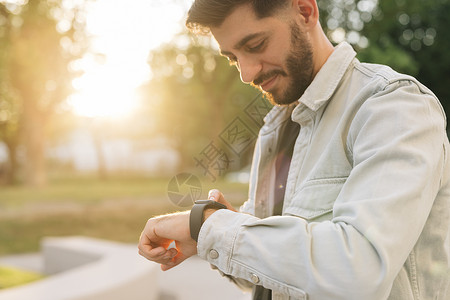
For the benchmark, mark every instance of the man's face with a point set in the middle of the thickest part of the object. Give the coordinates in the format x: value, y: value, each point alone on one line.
x: 272, y: 53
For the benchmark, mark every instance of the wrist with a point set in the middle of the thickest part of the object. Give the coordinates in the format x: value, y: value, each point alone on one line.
x: 208, y: 212
x: 199, y: 213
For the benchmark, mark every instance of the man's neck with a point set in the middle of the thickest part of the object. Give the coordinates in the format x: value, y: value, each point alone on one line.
x: 322, y: 48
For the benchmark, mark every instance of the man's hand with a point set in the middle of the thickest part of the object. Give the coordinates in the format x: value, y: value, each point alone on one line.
x: 217, y: 196
x: 160, y: 232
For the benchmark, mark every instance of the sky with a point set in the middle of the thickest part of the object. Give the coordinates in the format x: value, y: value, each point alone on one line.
x: 124, y: 31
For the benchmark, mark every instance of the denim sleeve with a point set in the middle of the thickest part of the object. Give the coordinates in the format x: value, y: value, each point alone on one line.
x: 397, y: 145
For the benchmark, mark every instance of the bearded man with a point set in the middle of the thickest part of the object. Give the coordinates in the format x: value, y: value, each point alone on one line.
x: 350, y: 182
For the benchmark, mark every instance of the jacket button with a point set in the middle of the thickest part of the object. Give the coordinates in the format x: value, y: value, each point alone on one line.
x: 254, y: 278
x: 213, y: 254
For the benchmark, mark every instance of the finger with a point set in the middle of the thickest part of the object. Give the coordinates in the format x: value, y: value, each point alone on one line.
x: 145, y: 243
x: 146, y: 246
x: 144, y: 249
x: 160, y: 256
x: 172, y: 252
x: 216, y: 195
x: 168, y: 258
x: 156, y: 254
x: 178, y: 259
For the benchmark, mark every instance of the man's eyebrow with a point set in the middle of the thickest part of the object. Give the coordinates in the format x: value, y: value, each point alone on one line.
x: 242, y: 42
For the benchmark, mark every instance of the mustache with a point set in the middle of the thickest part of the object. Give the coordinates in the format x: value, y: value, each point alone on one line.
x: 263, y: 77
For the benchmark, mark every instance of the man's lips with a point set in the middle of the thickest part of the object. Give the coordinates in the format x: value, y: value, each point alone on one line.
x: 267, y: 84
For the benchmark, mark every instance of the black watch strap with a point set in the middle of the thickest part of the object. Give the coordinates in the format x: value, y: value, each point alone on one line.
x: 196, y: 215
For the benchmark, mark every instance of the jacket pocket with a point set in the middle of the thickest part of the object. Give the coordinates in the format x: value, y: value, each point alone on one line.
x: 314, y: 199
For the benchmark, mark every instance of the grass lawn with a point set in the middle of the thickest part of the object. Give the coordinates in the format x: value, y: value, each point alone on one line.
x: 114, y: 209
x: 10, y: 277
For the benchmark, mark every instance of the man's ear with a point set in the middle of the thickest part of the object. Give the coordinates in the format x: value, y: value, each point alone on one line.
x: 308, y: 11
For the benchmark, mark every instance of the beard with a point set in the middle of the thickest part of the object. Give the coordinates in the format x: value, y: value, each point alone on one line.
x: 299, y: 70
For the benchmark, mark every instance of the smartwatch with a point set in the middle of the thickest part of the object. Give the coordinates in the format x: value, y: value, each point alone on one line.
x: 196, y: 215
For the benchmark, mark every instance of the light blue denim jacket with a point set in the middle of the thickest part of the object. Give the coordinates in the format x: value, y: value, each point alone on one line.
x: 366, y: 209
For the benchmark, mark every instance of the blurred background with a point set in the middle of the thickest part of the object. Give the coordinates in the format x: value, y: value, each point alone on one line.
x: 104, y: 104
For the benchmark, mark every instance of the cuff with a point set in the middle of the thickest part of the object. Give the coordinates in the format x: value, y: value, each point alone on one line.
x: 217, y: 237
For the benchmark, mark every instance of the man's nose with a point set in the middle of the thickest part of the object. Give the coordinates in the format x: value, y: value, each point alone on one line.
x: 249, y: 68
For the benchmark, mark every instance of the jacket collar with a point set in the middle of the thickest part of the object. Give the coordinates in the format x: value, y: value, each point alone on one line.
x: 276, y: 116
x: 319, y: 91
x: 328, y: 78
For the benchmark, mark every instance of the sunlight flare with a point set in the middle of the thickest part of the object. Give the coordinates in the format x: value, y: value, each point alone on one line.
x: 122, y: 34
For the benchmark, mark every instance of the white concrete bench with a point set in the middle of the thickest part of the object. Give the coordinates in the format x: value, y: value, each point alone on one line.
x: 84, y: 268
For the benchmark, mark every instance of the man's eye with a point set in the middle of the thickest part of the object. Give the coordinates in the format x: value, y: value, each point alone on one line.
x: 257, y: 46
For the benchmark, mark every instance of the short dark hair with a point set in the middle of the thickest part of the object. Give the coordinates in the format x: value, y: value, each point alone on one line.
x: 205, y: 14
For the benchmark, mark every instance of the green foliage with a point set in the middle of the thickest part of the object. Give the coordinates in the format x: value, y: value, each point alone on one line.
x: 391, y: 55
x: 419, y: 29
x: 411, y: 36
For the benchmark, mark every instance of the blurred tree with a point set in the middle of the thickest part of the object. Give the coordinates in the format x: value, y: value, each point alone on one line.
x: 9, y: 130
x: 193, y: 94
x: 410, y: 36
x: 9, y: 106
x: 44, y: 37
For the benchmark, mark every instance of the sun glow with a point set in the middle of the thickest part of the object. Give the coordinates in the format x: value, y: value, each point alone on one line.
x: 105, y: 97
x: 122, y: 34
